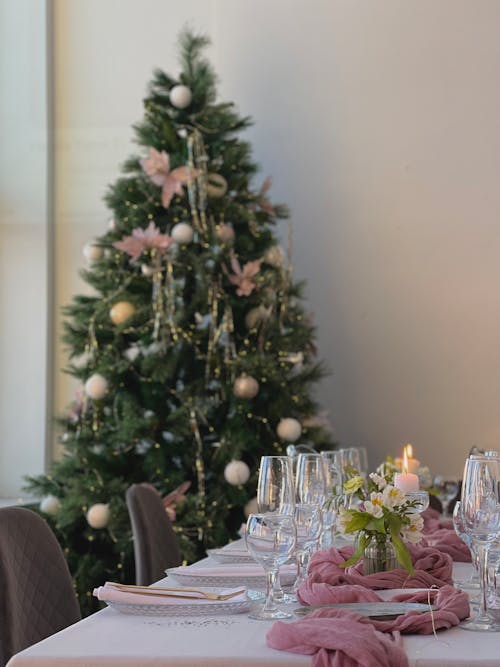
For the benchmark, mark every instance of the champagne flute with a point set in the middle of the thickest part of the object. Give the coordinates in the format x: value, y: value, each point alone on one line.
x: 334, y: 495
x: 270, y: 540
x: 458, y: 525
x: 275, y: 492
x: 480, y: 507
x: 310, y: 484
x: 308, y: 525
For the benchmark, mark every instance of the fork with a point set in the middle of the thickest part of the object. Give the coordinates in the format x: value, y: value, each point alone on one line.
x: 174, y: 592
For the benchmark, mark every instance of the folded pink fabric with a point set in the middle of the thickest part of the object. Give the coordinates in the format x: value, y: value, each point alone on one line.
x: 452, y: 606
x: 433, y: 521
x: 340, y: 640
x: 109, y: 593
x: 448, y: 542
x: 431, y: 568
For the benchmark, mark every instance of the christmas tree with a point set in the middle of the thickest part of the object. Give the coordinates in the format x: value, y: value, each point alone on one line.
x: 194, y: 353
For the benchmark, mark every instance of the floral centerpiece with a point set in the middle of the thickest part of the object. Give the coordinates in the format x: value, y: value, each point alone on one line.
x: 383, y: 519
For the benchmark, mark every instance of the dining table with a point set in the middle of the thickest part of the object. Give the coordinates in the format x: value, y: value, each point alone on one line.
x: 110, y: 638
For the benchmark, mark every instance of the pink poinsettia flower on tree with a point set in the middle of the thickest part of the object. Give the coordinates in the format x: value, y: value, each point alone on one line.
x: 157, y: 167
x: 243, y: 278
x: 144, y: 239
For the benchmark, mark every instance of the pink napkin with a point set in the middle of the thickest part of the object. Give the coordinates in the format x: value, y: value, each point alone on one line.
x: 448, y: 542
x: 432, y: 568
x: 433, y: 521
x: 109, y: 593
x: 341, y: 640
x: 452, y: 606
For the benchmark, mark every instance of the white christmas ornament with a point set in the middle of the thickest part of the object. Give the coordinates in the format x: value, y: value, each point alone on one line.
x: 92, y: 252
x: 182, y: 233
x: 225, y: 233
x: 121, y: 312
x: 216, y: 185
x: 147, y: 270
x: 275, y: 255
x: 251, y: 507
x: 50, y: 505
x: 289, y: 429
x: 96, y: 387
x: 180, y: 96
x: 245, y: 386
x: 236, y: 472
x: 98, y: 515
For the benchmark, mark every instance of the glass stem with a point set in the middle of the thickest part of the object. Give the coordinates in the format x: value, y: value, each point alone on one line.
x: 271, y: 576
x: 482, y: 553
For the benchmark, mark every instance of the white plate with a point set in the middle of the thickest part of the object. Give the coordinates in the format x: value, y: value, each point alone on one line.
x: 185, y: 609
x: 228, y: 576
x: 230, y: 556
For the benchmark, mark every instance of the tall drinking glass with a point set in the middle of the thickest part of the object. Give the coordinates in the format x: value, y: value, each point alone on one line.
x: 310, y: 484
x: 334, y: 495
x: 276, y: 493
x: 308, y: 526
x: 275, y: 489
x: 480, y: 506
x: 270, y: 540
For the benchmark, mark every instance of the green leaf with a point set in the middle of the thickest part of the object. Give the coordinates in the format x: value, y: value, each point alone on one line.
x: 363, y: 541
x: 359, y: 521
x: 402, y: 553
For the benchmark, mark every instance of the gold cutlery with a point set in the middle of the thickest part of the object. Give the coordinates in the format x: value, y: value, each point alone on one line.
x: 174, y: 592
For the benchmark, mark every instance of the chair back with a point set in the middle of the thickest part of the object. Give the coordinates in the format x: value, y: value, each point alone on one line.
x: 37, y: 597
x: 155, y: 544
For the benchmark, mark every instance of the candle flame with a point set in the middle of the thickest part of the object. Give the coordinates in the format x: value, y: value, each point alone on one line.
x: 409, y: 450
x: 405, y: 461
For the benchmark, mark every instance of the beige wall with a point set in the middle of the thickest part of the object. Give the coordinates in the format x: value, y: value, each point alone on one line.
x: 379, y: 124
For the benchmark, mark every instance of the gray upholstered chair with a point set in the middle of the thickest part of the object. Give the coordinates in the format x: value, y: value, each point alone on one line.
x: 155, y: 543
x: 37, y: 597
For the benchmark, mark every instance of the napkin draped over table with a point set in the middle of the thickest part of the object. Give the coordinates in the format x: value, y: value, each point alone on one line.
x: 431, y: 568
x: 341, y: 638
x: 439, y: 533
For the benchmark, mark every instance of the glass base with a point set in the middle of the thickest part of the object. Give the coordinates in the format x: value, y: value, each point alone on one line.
x: 261, y: 615
x: 481, y: 625
x: 256, y: 595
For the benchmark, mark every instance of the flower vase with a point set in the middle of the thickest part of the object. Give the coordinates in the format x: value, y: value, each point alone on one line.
x: 379, y: 556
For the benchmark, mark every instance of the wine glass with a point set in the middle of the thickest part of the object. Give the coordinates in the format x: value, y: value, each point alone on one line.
x: 351, y: 458
x: 334, y: 495
x: 270, y: 539
x: 458, y: 525
x: 308, y: 525
x: 446, y: 489
x: 480, y: 509
x: 276, y: 493
x: 310, y: 479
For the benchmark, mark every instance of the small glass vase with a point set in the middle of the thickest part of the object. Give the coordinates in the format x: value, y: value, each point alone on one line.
x: 379, y: 556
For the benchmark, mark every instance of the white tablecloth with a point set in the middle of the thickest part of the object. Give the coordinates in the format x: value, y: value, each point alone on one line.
x: 111, y: 639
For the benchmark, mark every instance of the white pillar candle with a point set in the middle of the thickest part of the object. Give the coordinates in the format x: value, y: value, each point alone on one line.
x: 406, y: 482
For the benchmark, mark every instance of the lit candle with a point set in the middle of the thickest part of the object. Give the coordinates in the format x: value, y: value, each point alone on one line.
x: 413, y: 464
x: 406, y: 481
